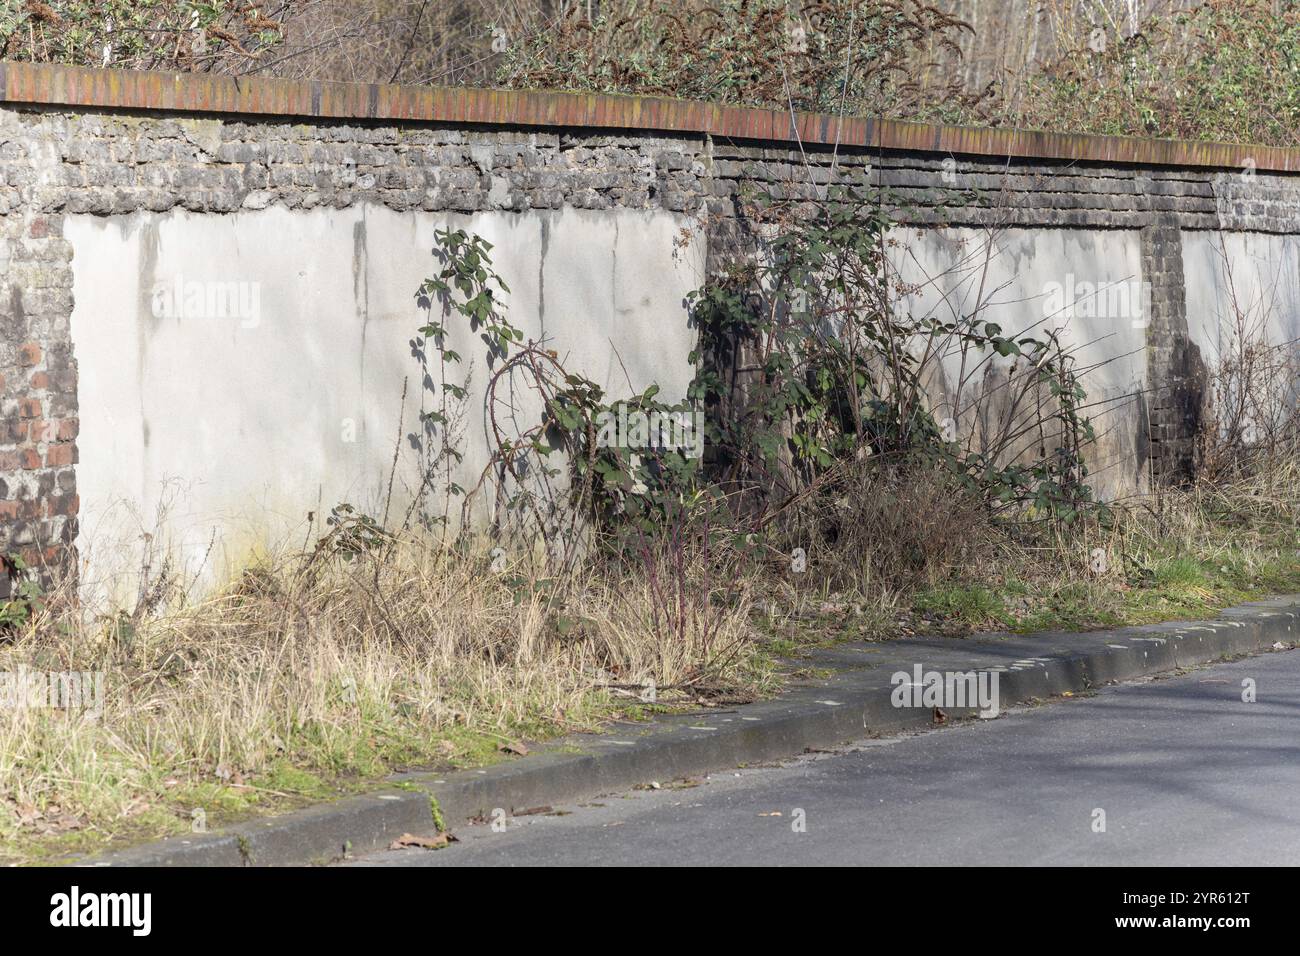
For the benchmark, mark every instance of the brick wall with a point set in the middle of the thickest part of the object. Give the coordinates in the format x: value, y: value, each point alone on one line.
x: 1162, y: 203
x: 110, y: 160
x: 38, y: 389
x: 54, y: 164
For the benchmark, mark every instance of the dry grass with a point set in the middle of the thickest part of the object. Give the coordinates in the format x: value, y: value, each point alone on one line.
x: 879, y: 530
x: 311, y: 671
x: 324, y: 671
x: 1183, y: 553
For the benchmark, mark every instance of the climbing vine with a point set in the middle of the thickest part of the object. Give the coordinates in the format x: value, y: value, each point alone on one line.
x: 547, y: 475
x: 808, y: 362
x: 809, y: 358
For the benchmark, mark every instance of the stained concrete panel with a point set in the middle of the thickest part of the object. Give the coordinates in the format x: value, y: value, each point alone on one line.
x: 1084, y: 285
x: 1240, y: 287
x: 217, y: 434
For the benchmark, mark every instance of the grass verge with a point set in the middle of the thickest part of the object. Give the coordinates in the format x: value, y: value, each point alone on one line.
x: 318, y: 674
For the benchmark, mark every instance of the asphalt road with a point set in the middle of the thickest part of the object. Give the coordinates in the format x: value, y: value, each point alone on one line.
x: 1185, y: 771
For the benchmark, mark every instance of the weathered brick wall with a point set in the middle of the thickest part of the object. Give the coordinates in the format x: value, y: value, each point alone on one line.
x: 118, y: 165
x: 928, y: 188
x: 968, y: 191
x: 54, y: 164
x: 58, y: 161
x: 38, y: 388
x: 1176, y: 372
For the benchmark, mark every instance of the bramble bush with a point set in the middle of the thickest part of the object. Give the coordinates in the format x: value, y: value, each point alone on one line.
x: 1225, y: 70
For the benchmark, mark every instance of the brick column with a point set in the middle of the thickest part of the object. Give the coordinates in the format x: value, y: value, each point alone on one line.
x: 1175, y: 371
x: 38, y: 395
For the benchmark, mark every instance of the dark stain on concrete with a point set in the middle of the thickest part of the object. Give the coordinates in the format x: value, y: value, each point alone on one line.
x: 541, y: 276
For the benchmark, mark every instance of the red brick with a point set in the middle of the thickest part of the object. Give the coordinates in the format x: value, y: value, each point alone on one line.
x: 46, y: 431
x: 40, y: 228
x: 29, y: 354
x: 59, y: 455
x: 30, y: 408
x: 63, y: 505
x: 29, y: 460
x: 39, y: 381
x: 69, y: 428
x: 40, y: 557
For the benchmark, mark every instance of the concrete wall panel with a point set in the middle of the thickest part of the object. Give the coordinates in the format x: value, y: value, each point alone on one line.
x: 234, y: 427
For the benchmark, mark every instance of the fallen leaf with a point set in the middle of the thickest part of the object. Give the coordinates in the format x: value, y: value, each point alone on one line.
x: 423, y: 843
x: 510, y: 747
x: 531, y: 811
x: 940, y: 717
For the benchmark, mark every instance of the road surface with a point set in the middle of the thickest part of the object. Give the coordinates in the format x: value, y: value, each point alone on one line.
x: 1184, y: 771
